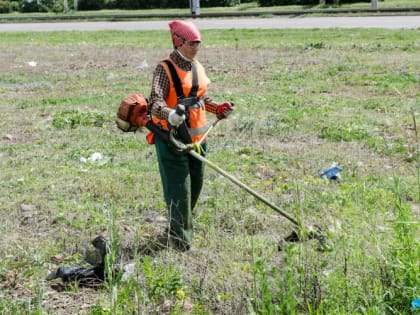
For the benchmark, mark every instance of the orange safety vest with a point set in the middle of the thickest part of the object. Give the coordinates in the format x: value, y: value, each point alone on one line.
x: 197, y: 114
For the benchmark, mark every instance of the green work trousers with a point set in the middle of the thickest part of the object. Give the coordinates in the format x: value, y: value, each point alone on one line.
x: 182, y: 179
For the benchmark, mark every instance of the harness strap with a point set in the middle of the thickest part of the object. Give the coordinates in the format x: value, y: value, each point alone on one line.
x: 182, y: 131
x: 177, y: 81
x: 191, y: 101
x: 175, y: 78
x: 194, y: 88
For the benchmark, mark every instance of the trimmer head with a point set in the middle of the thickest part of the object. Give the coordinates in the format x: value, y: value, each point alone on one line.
x: 324, y: 243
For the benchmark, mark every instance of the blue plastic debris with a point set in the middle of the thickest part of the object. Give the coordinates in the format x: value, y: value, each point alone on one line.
x: 416, y: 304
x: 334, y: 173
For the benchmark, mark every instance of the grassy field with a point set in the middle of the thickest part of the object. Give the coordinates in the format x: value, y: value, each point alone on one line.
x: 304, y: 100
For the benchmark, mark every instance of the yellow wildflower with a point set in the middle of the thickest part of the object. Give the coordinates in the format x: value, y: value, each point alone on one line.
x: 180, y: 294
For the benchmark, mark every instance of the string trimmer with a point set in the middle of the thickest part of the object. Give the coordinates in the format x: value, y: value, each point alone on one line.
x: 301, y: 233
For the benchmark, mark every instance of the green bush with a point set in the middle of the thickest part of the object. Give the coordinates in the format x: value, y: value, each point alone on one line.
x: 87, y: 5
x: 29, y: 6
x: 110, y: 4
x: 40, y: 6
x: 219, y: 3
x: 268, y: 3
x: 57, y: 6
x: 46, y: 5
x: 8, y: 6
x: 4, y: 7
x: 133, y: 4
x: 145, y: 4
x: 171, y: 4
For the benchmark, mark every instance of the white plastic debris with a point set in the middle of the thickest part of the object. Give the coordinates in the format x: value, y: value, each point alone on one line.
x: 32, y: 63
x: 143, y: 65
x: 129, y: 271
x: 95, y: 158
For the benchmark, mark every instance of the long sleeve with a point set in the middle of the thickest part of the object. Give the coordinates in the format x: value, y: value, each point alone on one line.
x: 160, y: 88
x: 210, y: 105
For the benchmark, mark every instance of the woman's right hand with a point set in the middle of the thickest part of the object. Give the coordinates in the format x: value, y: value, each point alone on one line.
x: 175, y: 119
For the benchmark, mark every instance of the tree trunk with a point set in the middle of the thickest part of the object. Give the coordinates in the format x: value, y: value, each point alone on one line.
x: 66, y: 6
x: 374, y: 4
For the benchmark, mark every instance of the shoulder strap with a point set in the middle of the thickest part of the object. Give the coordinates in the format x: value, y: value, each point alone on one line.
x: 175, y: 78
x: 194, y: 87
x: 177, y: 81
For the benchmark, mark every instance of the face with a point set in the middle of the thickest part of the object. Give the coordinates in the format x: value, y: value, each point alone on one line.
x: 189, y: 49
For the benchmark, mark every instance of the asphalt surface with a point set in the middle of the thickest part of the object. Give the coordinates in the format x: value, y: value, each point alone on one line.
x: 300, y: 22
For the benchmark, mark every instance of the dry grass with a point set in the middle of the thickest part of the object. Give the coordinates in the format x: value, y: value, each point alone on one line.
x: 303, y: 100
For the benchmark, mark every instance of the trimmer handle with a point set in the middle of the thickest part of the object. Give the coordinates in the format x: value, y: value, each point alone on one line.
x: 180, y: 109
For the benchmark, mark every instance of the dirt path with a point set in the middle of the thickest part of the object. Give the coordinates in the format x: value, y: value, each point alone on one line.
x: 388, y: 22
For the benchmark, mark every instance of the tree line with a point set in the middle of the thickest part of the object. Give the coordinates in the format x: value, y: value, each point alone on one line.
x: 57, y: 6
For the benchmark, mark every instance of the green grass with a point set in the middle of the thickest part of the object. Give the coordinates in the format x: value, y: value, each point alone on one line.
x: 304, y: 99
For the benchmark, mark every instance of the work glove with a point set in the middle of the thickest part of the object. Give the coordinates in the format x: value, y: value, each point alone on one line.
x: 224, y: 109
x: 175, y: 119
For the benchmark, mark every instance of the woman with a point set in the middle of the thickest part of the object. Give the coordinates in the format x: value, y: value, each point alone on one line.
x: 182, y: 175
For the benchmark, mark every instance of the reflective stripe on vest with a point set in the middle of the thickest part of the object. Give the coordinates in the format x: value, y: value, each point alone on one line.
x: 197, y: 114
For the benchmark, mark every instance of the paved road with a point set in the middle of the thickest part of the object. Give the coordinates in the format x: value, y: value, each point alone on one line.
x: 389, y: 22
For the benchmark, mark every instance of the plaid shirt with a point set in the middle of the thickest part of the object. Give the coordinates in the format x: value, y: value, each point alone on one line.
x: 160, y: 88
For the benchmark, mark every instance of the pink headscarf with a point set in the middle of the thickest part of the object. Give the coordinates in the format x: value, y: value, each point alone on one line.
x: 183, y: 30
